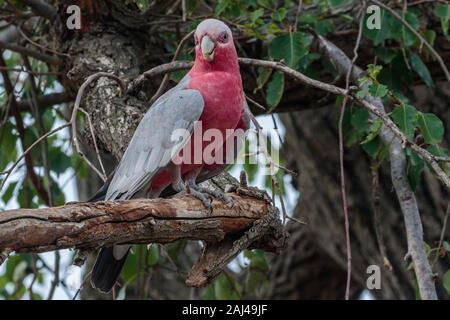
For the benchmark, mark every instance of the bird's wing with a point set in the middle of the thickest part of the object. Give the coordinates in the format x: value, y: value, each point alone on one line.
x: 151, y: 147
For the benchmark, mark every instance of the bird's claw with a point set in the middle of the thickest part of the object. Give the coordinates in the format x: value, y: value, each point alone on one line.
x: 204, y: 198
x: 218, y: 194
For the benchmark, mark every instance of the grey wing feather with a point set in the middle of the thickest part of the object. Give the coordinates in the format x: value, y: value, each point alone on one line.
x: 151, y: 147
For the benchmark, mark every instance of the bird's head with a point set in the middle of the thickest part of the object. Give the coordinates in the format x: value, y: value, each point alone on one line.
x: 214, y: 43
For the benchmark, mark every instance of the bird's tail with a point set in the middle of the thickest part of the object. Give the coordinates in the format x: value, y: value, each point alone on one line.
x: 107, y: 269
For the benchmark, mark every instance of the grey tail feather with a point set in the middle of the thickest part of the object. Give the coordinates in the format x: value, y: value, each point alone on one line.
x: 106, y: 270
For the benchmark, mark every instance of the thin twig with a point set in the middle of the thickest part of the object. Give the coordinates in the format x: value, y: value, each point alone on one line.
x: 14, y: 165
x: 39, y: 45
x: 165, y: 80
x: 55, y: 281
x: 377, y: 218
x: 73, y: 119
x: 91, y: 129
x: 297, y: 15
x: 444, y: 227
x: 255, y: 103
x: 35, y: 275
x: 341, y: 158
x: 31, y: 53
x: 35, y: 179
x: 40, y: 128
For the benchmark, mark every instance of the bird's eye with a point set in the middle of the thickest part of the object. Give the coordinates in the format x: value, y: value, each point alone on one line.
x: 223, y: 37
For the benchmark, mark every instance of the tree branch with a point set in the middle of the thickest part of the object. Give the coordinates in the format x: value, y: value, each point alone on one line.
x: 45, y: 101
x: 41, y: 8
x: 92, y: 225
x: 31, y: 53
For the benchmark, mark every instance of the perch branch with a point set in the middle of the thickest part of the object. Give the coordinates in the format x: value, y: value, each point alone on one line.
x: 252, y: 222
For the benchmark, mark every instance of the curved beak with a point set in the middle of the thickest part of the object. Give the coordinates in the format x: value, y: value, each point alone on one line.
x: 207, y: 46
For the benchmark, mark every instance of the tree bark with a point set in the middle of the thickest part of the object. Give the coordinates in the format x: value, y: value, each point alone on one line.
x: 92, y: 225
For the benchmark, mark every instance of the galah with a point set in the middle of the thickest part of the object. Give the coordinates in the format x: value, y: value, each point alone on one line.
x: 210, y: 93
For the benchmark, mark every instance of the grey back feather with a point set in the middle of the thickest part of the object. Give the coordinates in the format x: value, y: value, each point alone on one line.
x: 151, y: 147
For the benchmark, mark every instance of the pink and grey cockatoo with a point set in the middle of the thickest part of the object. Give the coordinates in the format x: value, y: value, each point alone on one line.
x: 211, y: 93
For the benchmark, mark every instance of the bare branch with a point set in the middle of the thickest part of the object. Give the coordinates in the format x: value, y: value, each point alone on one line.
x: 45, y: 101
x: 341, y: 156
x: 41, y: 8
x: 31, y: 53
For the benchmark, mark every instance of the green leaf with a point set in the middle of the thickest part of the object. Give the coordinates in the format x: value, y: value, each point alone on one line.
x: 255, y: 15
x: 337, y: 3
x: 379, y: 35
x: 430, y: 36
x: 226, y: 288
x: 385, y: 54
x: 375, y: 148
x: 275, y: 90
x: 442, y: 11
x: 361, y: 94
x: 415, y: 167
x: 360, y: 120
x: 208, y: 293
x: 446, y: 281
x: 373, y: 131
x: 405, y: 117
x: 378, y: 90
x: 59, y: 161
x: 263, y: 77
x: 174, y: 248
x: 128, y: 273
x: 446, y: 246
x: 279, y: 15
x: 9, y: 192
x: 396, y: 75
x: 402, y: 32
x: 421, y: 69
x: 8, y: 141
x: 153, y: 255
x: 48, y: 118
x: 431, y: 127
x: 290, y: 47
x: 258, y: 270
x: 374, y: 70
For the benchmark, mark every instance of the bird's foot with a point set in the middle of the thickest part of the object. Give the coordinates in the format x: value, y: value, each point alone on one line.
x: 218, y: 194
x: 203, y: 197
